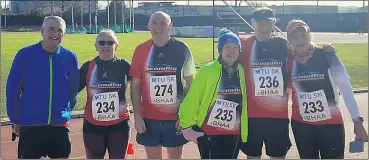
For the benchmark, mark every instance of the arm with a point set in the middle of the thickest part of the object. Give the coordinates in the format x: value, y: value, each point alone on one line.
x: 127, y: 69
x: 14, y: 88
x: 289, y: 69
x: 342, y: 80
x: 189, y: 68
x: 191, y: 103
x: 74, y: 81
x: 83, y: 74
x: 136, y: 96
x: 135, y: 74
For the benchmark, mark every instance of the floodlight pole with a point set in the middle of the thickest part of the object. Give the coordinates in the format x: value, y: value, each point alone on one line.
x: 108, y: 14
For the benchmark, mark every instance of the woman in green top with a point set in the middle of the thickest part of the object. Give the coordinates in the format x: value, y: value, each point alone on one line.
x: 214, y: 111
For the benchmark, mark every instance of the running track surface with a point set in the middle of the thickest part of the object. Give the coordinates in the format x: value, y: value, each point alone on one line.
x: 9, y: 148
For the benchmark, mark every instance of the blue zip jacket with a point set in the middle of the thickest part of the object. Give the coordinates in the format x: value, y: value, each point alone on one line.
x: 42, y: 87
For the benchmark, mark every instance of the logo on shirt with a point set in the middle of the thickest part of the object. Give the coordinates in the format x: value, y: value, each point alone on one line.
x: 162, y: 68
x: 161, y: 55
x: 106, y: 84
x: 266, y: 63
x: 304, y: 76
x: 230, y: 90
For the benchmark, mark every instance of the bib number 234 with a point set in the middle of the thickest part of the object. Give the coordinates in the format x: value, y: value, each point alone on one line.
x: 105, y: 106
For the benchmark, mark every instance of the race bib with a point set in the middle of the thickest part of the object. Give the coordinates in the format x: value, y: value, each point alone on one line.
x: 223, y: 114
x: 268, y: 81
x: 314, y: 106
x: 163, y: 89
x: 105, y: 106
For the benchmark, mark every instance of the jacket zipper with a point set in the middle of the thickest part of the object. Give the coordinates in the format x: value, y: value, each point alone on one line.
x: 216, y: 91
x: 50, y: 88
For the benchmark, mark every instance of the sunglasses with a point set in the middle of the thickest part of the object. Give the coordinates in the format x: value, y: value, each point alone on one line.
x: 101, y: 43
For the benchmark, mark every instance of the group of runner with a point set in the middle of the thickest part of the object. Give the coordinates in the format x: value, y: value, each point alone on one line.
x: 237, y: 102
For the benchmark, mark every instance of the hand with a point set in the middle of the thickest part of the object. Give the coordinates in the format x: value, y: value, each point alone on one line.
x: 329, y: 48
x: 16, y: 129
x: 139, y: 124
x: 178, y: 127
x: 191, y: 135
x: 360, y: 132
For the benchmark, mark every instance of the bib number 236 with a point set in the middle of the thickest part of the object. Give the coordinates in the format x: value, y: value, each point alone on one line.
x: 163, y: 89
x: 268, y: 81
x: 105, y: 106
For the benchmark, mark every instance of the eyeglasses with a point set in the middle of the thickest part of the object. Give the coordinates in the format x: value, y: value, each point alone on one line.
x: 101, y: 43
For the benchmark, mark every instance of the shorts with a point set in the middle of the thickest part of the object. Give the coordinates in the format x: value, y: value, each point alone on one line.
x: 115, y: 141
x: 160, y: 132
x: 92, y: 128
x: 38, y: 141
x: 328, y: 140
x: 98, y: 139
x: 218, y: 146
x: 274, y: 133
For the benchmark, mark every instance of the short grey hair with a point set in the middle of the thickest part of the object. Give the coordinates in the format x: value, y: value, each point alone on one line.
x: 57, y: 19
x: 166, y: 15
x: 108, y: 32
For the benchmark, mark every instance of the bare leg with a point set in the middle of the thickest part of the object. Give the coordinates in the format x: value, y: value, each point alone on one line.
x: 175, y: 152
x: 154, y: 152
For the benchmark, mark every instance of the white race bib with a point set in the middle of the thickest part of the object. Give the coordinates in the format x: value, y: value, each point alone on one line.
x: 268, y: 81
x: 163, y: 89
x: 314, y: 106
x: 223, y: 114
x: 105, y: 106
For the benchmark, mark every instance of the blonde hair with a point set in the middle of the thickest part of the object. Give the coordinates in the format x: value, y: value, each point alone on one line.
x: 296, y: 20
x: 309, y: 33
x: 57, y: 19
x: 108, y: 32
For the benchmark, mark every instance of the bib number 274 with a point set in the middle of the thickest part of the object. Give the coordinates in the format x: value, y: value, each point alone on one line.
x: 163, y: 89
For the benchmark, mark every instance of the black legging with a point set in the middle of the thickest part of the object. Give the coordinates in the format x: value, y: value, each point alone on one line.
x: 218, y: 146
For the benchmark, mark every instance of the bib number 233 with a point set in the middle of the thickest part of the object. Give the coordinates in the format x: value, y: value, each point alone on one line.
x: 105, y: 106
x: 163, y: 89
x: 314, y: 106
x: 268, y: 81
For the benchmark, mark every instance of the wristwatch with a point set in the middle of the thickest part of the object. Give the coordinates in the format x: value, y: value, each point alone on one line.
x: 361, y: 119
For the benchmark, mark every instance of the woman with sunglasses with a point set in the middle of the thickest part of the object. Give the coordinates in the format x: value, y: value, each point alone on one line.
x: 316, y: 76
x: 106, y: 116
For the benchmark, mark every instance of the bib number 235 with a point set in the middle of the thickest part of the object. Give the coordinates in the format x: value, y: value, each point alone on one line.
x: 223, y: 114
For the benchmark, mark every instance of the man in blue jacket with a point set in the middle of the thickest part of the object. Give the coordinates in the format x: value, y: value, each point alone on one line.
x: 41, y: 93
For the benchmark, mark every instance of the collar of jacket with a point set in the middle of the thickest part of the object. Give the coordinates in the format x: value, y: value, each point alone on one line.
x: 224, y: 65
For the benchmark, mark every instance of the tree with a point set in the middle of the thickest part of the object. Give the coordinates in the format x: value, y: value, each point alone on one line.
x: 118, y: 6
